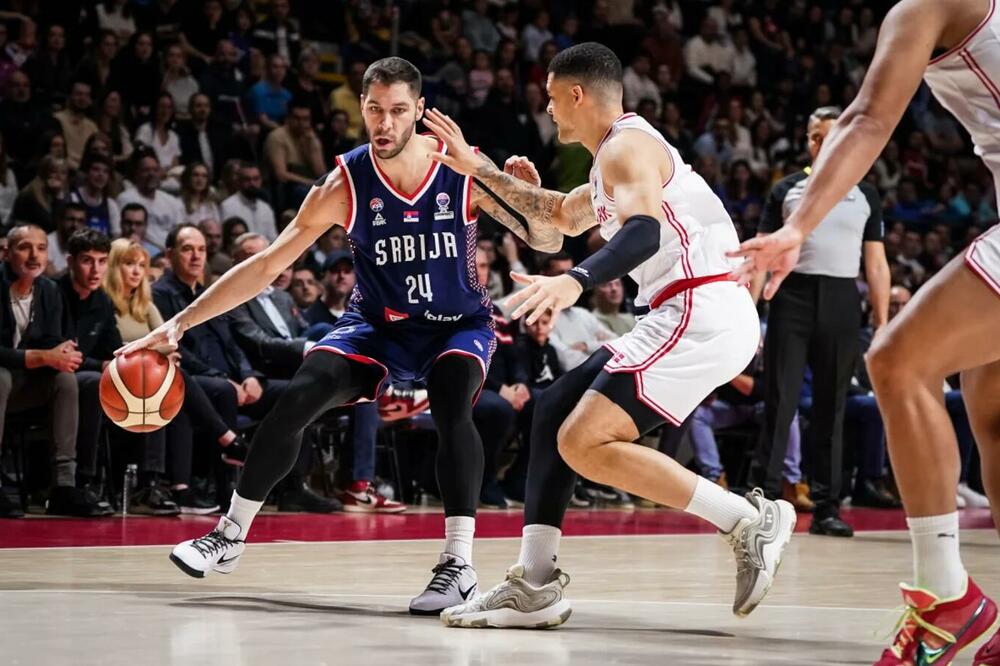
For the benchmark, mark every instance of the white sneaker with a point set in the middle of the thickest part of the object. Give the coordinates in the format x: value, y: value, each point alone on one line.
x: 219, y: 550
x: 959, y: 501
x: 972, y: 498
x: 758, y: 545
x: 515, y: 603
x: 453, y: 582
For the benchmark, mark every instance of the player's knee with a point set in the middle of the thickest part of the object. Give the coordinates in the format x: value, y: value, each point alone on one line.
x: 577, y: 440
x: 886, y: 366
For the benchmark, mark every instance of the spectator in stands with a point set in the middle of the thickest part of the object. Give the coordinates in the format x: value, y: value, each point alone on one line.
x: 159, y: 135
x: 116, y: 16
x: 608, y: 306
x: 278, y: 34
x: 109, y: 121
x: 133, y: 222
x: 177, y: 79
x: 50, y: 68
x: 8, y: 183
x: 306, y: 88
x: 70, y: 218
x: 305, y: 289
x: 201, y: 32
x: 335, y: 134
x: 338, y: 284
x: 347, y: 98
x: 707, y: 55
x: 218, y: 261
x: 38, y: 202
x: 576, y: 333
x: 507, y: 127
x: 94, y: 195
x: 135, y: 73
x: 716, y: 143
x: 196, y: 195
x: 294, y: 156
x: 478, y: 27
x: 201, y: 138
x: 268, y: 98
x: 232, y: 228
x: 248, y: 204
x: 22, y: 122
x: 95, y: 68
x: 34, y: 342
x: 223, y: 83
x: 638, y: 85
x: 164, y: 211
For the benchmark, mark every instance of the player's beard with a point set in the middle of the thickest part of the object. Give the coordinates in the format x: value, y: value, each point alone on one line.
x: 392, y: 152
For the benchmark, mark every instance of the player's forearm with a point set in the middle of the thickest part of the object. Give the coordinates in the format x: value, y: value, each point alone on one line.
x: 848, y: 153
x: 542, y: 209
x: 538, y: 237
x: 879, y: 284
x: 236, y: 286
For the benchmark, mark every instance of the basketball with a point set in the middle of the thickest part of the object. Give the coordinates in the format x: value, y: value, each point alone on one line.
x: 141, y: 392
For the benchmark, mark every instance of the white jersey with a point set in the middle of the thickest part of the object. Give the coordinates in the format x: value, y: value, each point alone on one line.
x: 966, y: 81
x: 698, y: 233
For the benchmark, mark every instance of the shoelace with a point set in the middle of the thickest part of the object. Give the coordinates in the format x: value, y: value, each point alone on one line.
x: 906, y: 630
x: 739, y: 544
x: 444, y: 576
x: 211, y: 543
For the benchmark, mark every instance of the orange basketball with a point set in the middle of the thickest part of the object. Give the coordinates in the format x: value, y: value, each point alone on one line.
x: 142, y: 392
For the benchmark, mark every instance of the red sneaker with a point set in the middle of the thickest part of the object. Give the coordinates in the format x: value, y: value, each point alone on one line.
x: 362, y: 497
x: 989, y: 653
x: 934, y: 631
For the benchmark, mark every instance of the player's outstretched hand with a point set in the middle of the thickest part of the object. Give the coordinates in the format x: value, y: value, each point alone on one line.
x: 523, y: 169
x: 542, y: 294
x: 777, y: 253
x: 164, y: 340
x: 460, y: 156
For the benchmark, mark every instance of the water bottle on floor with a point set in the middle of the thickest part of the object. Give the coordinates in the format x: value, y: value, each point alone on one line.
x: 131, y: 478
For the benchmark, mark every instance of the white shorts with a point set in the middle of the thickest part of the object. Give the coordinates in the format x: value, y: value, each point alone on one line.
x: 689, y: 346
x: 983, y: 257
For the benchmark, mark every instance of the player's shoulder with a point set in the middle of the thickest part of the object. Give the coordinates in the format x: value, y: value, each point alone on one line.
x: 628, y: 148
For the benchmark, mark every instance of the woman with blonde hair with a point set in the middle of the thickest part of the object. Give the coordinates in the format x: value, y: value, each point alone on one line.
x: 127, y: 285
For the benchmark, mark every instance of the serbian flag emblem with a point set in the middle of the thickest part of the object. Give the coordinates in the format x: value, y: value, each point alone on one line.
x: 411, y: 216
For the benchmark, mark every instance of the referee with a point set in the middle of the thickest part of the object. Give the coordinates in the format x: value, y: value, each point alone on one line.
x: 815, y: 321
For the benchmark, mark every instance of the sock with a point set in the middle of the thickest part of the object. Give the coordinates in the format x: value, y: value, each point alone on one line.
x: 539, y: 552
x: 458, y: 531
x: 242, y: 512
x: 719, y: 506
x: 937, y: 565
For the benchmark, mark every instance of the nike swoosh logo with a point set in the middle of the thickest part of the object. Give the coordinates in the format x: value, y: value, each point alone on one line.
x: 465, y: 593
x: 367, y: 499
x: 227, y: 561
x: 927, y: 655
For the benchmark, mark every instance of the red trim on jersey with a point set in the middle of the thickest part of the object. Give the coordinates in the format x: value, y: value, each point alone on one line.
x: 608, y: 132
x: 640, y: 395
x: 482, y: 367
x: 968, y: 37
x: 684, y: 284
x: 358, y: 358
x: 977, y: 268
x: 685, y: 241
x: 971, y: 63
x: 469, y: 217
x: 408, y: 198
x: 350, y: 193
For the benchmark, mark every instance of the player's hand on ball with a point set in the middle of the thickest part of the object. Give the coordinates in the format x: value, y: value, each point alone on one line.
x: 523, y: 169
x: 542, y: 294
x: 460, y: 157
x: 164, y: 340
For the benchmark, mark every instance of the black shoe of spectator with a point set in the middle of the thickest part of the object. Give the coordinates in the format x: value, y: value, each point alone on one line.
x: 235, y: 453
x: 870, y: 493
x: 599, y: 492
x: 71, y: 501
x: 491, y: 495
x: 513, y: 488
x: 305, y: 500
x: 190, y: 502
x: 581, y: 498
x: 153, y: 501
x: 10, y: 505
x: 105, y: 508
x: 830, y: 525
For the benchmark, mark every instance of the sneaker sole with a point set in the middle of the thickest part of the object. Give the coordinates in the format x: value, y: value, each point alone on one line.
x: 508, y: 618
x: 992, y: 662
x: 198, y: 511
x: 789, y: 516
x: 194, y: 573
x: 353, y: 508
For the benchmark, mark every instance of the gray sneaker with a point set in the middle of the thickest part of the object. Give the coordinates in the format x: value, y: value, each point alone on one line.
x: 514, y: 603
x: 758, y: 545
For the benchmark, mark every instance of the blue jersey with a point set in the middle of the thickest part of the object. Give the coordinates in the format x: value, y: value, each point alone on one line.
x: 414, y: 254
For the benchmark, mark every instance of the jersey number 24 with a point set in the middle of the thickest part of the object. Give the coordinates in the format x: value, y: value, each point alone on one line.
x: 419, y: 286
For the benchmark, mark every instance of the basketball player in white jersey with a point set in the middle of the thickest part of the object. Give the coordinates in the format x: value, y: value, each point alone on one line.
x: 950, y: 325
x: 668, y: 231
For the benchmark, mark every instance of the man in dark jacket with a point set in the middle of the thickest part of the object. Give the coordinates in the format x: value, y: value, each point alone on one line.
x: 37, y: 362
x: 278, y: 33
x: 202, y: 138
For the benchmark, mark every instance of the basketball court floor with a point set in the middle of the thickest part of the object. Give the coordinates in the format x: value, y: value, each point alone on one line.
x: 648, y: 587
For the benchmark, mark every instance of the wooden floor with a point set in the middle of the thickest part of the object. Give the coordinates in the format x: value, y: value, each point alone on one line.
x: 661, y: 600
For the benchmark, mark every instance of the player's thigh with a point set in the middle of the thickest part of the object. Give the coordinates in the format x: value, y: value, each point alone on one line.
x: 598, y: 420
x: 950, y: 325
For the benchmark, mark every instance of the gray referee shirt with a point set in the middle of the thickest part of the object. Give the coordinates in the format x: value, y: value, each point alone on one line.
x: 834, y: 247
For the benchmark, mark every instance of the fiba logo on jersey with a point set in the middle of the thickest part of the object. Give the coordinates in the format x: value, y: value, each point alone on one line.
x: 443, y: 201
x: 377, y: 205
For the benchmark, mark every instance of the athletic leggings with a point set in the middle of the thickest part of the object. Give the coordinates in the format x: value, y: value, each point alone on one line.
x: 327, y: 380
x: 550, y: 480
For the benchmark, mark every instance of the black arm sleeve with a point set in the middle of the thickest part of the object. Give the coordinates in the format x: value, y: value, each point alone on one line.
x: 874, y: 227
x: 635, y: 242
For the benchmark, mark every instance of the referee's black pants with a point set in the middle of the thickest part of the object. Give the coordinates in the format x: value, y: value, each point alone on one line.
x: 814, y: 320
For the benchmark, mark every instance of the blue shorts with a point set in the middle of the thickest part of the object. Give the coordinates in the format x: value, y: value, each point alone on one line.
x: 406, y: 351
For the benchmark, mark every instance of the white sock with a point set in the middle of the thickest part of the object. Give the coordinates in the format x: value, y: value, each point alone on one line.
x: 242, y: 512
x: 937, y: 565
x: 719, y: 506
x: 458, y: 531
x: 539, y: 552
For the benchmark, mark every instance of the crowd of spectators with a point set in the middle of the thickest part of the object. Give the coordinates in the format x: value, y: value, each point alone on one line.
x: 148, y: 145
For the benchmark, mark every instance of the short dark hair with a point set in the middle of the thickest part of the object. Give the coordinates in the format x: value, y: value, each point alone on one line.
x: 66, y: 206
x: 392, y: 70
x: 561, y: 255
x: 171, y: 241
x: 87, y: 240
x: 825, y: 113
x: 589, y: 63
x: 129, y: 207
x: 92, y: 158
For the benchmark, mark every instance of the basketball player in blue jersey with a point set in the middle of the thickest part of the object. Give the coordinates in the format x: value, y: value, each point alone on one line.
x: 666, y: 229
x: 418, y: 314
